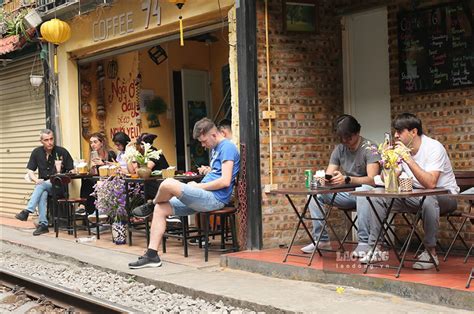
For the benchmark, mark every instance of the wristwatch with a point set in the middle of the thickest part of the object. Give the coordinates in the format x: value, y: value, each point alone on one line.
x: 347, y: 180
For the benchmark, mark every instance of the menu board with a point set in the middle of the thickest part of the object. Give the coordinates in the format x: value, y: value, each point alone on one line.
x: 436, y: 48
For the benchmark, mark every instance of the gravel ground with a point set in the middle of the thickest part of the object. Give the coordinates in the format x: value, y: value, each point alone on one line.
x: 105, y: 285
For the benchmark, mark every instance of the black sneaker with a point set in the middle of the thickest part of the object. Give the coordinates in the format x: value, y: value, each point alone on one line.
x: 23, y: 215
x: 40, y: 230
x: 144, y: 210
x: 145, y: 261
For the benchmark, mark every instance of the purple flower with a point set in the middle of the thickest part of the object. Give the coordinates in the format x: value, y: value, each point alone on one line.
x: 111, y: 198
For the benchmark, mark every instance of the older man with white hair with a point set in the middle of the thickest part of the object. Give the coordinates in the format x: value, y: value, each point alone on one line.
x: 43, y: 159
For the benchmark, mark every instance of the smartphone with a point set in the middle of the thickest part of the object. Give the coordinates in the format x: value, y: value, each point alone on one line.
x: 94, y: 155
x: 328, y: 176
x: 388, y: 138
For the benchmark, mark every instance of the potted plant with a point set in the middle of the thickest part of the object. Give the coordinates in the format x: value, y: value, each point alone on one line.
x: 32, y: 19
x: 15, y: 24
x: 15, y: 33
x: 134, y: 155
x: 111, y: 200
x: 154, y: 108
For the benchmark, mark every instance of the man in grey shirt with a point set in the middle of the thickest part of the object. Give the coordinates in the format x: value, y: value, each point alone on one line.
x: 350, y: 162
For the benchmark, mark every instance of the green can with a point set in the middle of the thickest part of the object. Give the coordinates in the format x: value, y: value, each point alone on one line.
x: 308, y: 174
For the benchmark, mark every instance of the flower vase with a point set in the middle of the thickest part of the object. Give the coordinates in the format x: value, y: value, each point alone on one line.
x: 144, y: 172
x: 390, y: 180
x: 119, y: 232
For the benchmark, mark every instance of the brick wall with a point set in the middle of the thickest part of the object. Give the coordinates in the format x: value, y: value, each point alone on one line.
x: 307, y: 94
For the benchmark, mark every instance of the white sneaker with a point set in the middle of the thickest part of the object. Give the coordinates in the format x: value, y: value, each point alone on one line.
x: 424, y: 261
x: 174, y: 219
x: 374, y: 256
x: 326, y: 245
x: 361, y: 250
x: 93, y: 218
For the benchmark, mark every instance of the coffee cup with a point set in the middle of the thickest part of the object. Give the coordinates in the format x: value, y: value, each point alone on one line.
x: 58, y: 164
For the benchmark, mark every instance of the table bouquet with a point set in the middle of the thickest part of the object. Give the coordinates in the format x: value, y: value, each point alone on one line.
x: 390, y: 159
x: 132, y: 154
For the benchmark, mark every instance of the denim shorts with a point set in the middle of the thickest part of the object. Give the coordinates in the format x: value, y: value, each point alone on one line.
x: 194, y: 200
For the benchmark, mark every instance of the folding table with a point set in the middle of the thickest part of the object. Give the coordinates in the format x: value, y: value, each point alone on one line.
x: 391, y: 196
x: 331, y: 189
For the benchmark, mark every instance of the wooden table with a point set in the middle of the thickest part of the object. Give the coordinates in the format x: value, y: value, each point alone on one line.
x: 381, y: 193
x: 302, y: 217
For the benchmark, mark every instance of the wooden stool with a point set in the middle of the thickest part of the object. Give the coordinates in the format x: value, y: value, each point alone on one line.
x: 66, y: 204
x: 223, y: 214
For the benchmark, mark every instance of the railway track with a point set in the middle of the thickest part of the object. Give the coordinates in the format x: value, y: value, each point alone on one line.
x: 22, y: 289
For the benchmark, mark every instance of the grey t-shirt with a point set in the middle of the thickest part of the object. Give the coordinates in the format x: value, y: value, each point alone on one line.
x: 354, y: 163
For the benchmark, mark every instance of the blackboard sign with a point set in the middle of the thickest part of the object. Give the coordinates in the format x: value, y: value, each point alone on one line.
x: 436, y: 48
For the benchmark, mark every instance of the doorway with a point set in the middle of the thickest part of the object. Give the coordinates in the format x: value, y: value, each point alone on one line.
x: 366, y: 71
x: 192, y: 95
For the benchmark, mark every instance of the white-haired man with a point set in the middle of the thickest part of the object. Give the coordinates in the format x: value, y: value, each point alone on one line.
x: 44, y: 159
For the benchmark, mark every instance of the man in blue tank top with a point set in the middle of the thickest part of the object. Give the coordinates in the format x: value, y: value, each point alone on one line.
x: 177, y: 198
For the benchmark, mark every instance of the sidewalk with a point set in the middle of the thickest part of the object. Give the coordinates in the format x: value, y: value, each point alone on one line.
x: 214, y: 283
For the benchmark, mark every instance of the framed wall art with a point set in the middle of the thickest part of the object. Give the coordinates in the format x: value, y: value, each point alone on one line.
x: 300, y: 16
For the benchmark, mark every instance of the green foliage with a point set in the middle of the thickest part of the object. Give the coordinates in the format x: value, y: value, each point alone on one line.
x: 156, y: 106
x: 14, y: 24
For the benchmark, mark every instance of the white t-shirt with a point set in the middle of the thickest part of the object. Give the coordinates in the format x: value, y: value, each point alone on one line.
x: 432, y: 156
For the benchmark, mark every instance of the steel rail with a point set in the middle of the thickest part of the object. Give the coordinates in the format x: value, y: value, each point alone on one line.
x: 60, y: 296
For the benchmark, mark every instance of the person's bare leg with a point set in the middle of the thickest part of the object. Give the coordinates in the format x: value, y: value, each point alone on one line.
x: 168, y: 188
x: 158, y: 224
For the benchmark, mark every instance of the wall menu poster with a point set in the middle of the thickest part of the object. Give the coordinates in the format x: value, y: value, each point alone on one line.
x: 436, y: 48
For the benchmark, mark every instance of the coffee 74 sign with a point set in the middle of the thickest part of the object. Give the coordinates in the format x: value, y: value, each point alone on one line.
x: 121, y: 24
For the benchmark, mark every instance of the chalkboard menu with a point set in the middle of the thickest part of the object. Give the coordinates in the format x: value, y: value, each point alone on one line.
x: 436, y: 48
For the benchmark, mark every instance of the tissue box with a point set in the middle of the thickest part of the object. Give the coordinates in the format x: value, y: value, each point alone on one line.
x: 405, y: 184
x: 82, y: 168
x: 168, y: 173
x: 319, y: 180
x: 112, y: 171
x: 103, y: 171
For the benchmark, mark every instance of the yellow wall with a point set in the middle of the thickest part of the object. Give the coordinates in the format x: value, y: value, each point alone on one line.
x: 158, y: 78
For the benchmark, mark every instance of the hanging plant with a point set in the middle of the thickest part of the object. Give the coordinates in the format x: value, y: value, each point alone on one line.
x: 154, y: 108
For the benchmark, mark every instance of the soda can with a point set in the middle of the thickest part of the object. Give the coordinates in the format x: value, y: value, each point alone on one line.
x: 308, y: 174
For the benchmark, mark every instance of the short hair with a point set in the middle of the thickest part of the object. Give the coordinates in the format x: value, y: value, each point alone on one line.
x: 224, y: 124
x: 202, y: 127
x: 146, y: 138
x: 407, y: 121
x: 45, y: 132
x: 346, y: 125
x: 122, y: 138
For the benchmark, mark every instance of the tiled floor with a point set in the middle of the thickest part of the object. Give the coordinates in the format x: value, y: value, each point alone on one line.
x: 453, y: 273
x: 174, y: 249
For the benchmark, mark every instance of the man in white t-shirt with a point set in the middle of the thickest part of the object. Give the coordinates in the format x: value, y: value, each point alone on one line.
x: 429, y: 166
